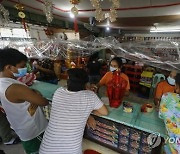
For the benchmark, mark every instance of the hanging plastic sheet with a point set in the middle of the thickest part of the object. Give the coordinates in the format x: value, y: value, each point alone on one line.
x: 161, y: 54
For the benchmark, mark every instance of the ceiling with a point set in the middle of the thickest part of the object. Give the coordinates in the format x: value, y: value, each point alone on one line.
x: 132, y: 14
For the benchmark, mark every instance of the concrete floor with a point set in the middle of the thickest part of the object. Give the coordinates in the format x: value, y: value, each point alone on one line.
x: 18, y: 149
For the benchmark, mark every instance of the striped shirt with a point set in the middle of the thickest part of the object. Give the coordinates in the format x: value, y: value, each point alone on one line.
x: 69, y: 114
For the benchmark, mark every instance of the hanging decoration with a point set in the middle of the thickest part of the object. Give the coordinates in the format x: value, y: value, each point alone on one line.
x: 75, y: 2
x: 74, y: 11
x: 48, y: 32
x: 5, y: 16
x: 113, y: 13
x: 100, y: 15
x: 48, y: 10
x: 21, y: 14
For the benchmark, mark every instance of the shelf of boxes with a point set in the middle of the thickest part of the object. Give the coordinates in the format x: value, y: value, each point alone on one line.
x: 119, y: 137
x: 134, y: 74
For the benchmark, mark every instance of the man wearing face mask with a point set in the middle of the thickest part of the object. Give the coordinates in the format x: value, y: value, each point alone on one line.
x: 169, y: 112
x: 21, y: 104
x: 164, y: 87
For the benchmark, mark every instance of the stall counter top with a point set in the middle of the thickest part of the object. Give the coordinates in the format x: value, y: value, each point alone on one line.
x: 46, y: 89
x: 148, y: 122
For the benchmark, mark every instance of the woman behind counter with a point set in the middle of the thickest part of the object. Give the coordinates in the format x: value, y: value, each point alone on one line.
x: 170, y: 113
x: 115, y: 65
x: 71, y: 108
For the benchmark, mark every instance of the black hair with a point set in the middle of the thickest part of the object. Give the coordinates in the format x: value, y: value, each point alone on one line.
x: 77, y: 79
x: 118, y: 60
x: 10, y: 56
x: 94, y: 56
x: 177, y: 79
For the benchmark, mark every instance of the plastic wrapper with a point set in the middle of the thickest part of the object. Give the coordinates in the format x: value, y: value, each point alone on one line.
x: 135, y: 144
x: 112, y: 128
x: 144, y: 138
x: 107, y: 132
x: 124, y: 132
x: 124, y: 140
x: 112, y: 139
x: 160, y: 54
x: 123, y: 147
x: 146, y: 149
x: 133, y: 151
x: 135, y: 135
x: 105, y: 141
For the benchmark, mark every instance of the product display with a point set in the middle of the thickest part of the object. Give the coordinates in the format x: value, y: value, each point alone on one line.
x: 123, y: 147
x: 127, y: 107
x: 125, y: 138
x: 112, y: 128
x: 124, y: 132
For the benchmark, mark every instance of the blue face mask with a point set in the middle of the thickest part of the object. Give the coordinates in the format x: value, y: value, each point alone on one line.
x: 21, y: 72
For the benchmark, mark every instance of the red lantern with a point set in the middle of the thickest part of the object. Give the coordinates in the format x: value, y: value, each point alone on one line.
x: 116, y: 89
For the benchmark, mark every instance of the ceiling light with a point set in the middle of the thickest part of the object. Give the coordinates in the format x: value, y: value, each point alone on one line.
x: 71, y: 15
x: 107, y: 28
x: 165, y: 30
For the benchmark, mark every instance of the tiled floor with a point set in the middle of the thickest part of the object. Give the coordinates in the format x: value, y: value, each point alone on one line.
x: 18, y: 149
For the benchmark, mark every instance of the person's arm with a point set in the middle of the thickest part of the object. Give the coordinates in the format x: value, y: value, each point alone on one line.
x: 128, y: 86
x: 18, y: 93
x: 102, y: 82
x: 102, y: 111
x: 158, y: 95
x: 91, y: 122
x: 44, y: 70
x: 99, y: 110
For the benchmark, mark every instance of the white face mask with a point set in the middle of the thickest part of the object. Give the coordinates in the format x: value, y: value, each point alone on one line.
x: 112, y: 69
x: 171, y: 81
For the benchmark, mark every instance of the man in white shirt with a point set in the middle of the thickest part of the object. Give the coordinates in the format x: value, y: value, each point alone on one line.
x: 21, y: 103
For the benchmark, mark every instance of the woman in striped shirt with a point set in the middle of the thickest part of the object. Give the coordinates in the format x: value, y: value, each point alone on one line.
x: 71, y: 108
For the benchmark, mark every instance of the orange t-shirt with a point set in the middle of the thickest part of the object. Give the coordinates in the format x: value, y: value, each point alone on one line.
x: 108, y: 77
x: 162, y: 88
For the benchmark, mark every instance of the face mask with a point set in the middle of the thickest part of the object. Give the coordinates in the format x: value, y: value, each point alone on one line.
x: 21, y: 72
x: 171, y: 81
x: 112, y: 69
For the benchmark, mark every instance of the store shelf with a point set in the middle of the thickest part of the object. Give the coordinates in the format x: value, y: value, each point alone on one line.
x: 133, y: 67
x: 132, y: 73
x: 134, y: 79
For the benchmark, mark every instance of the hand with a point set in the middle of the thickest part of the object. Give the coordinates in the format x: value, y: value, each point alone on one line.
x: 2, y: 110
x: 157, y: 108
x: 37, y: 66
x: 91, y: 122
x: 157, y: 105
x: 94, y: 88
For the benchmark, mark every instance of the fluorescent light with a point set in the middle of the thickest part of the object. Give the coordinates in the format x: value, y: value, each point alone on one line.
x: 165, y: 30
x: 107, y: 28
x: 71, y: 15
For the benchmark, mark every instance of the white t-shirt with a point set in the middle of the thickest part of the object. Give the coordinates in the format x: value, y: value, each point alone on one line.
x: 26, y: 125
x: 69, y: 114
